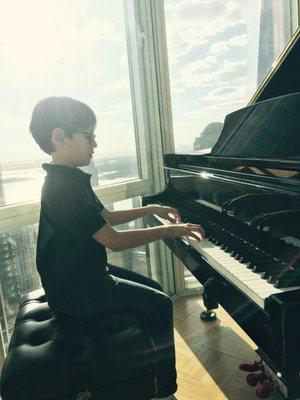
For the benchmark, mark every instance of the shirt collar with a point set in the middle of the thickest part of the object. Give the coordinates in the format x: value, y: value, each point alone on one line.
x: 66, y: 171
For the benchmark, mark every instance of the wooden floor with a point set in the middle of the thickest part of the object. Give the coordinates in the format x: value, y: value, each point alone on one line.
x: 208, y: 355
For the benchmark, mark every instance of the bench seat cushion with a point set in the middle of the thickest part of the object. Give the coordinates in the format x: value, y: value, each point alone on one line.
x: 111, y: 358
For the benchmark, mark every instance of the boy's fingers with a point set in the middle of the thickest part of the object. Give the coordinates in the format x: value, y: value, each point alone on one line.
x: 176, y: 214
x: 177, y: 218
x: 174, y: 217
x: 195, y: 236
x: 199, y: 234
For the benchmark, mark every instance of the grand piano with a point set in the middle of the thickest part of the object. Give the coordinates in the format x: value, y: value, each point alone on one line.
x: 246, y: 194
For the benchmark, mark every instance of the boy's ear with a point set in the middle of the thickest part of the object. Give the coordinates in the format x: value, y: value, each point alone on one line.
x: 58, y: 136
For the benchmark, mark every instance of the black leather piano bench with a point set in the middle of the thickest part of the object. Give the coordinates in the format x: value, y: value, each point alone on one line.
x: 50, y: 359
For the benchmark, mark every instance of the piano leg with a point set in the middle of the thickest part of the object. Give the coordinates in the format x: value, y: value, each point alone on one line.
x: 208, y: 315
x: 210, y: 299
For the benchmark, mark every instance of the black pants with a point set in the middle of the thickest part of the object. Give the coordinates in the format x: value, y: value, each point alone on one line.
x: 123, y: 289
x: 135, y: 291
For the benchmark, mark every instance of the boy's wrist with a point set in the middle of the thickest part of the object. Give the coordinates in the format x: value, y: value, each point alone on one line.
x: 151, y: 208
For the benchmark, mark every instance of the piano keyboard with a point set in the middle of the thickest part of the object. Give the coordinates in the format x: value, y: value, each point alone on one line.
x: 246, y: 280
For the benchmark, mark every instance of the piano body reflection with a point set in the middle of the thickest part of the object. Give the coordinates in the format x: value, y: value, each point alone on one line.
x: 246, y: 195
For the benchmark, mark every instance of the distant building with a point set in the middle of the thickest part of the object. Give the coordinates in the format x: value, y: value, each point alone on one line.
x: 208, y: 137
x: 275, y: 30
x: 112, y: 169
x: 18, y: 273
x: 2, y: 197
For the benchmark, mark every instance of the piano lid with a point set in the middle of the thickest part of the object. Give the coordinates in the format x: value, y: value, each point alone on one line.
x: 283, y: 78
x: 268, y: 129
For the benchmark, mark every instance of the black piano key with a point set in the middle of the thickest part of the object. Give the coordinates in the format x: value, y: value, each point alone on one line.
x: 277, y: 273
x: 253, y: 258
x: 258, y: 264
x: 230, y: 246
x: 287, y: 283
x: 274, y: 276
x: 268, y: 266
x: 289, y: 278
x: 237, y: 254
x: 268, y: 274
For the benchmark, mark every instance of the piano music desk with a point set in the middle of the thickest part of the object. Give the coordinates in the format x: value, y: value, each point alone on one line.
x: 208, y: 355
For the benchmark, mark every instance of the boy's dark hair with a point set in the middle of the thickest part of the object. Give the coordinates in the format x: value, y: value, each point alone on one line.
x: 59, y: 112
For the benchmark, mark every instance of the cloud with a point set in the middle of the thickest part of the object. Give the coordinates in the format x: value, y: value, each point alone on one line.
x: 193, y: 74
x: 231, y: 70
x: 116, y: 109
x: 178, y: 86
x: 238, y: 41
x: 192, y: 23
x: 201, y: 65
x: 219, y: 47
x: 228, y: 93
x: 119, y: 86
x: 182, y: 41
x: 96, y: 31
x: 223, y: 108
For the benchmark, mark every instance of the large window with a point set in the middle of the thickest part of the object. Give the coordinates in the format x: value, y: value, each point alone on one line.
x: 63, y: 48
x: 219, y: 52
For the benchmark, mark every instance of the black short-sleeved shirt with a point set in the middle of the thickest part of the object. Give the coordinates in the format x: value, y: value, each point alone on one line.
x: 70, y: 262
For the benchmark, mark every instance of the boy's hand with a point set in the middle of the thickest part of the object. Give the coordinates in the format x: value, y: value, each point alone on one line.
x: 194, y: 231
x: 165, y: 212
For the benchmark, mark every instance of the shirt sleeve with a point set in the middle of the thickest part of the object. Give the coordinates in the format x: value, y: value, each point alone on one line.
x: 73, y: 209
x: 100, y: 204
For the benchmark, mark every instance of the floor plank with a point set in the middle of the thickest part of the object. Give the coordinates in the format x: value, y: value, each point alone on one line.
x: 208, y: 355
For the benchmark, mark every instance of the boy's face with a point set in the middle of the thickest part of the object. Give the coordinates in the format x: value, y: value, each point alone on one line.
x: 76, y: 150
x: 83, y: 147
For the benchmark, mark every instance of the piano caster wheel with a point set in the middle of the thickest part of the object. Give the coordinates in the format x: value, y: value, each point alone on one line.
x: 208, y: 315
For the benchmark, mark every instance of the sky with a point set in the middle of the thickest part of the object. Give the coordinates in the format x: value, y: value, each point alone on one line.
x: 77, y: 48
x: 208, y: 61
x: 63, y: 48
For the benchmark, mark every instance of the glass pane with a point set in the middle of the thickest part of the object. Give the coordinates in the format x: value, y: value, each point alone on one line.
x: 190, y: 282
x: 52, y: 49
x: 18, y: 273
x: 135, y: 258
x: 144, y: 260
x: 219, y: 52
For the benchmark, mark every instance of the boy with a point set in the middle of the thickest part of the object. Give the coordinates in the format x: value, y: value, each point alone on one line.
x: 75, y: 228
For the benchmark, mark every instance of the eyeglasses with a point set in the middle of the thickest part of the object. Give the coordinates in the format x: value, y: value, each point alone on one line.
x: 89, y: 135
